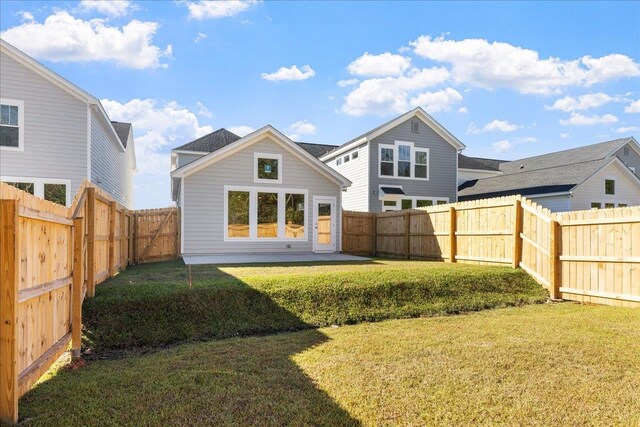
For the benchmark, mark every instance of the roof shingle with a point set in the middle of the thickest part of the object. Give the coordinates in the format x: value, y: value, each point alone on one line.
x: 122, y: 130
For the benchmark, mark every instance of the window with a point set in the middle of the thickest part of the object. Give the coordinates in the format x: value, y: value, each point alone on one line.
x: 346, y: 158
x: 441, y: 202
x: 338, y: 162
x: 268, y: 168
x: 267, y: 215
x: 622, y: 205
x: 609, y: 205
x: 238, y: 214
x: 407, y: 203
x: 402, y: 160
x: 386, y: 161
x: 415, y: 127
x: 421, y: 164
x: 56, y: 193
x: 294, y: 216
x: 11, y: 124
x: 609, y: 186
x: 354, y: 155
x: 257, y: 214
x: 24, y: 186
x: 51, y: 189
x: 595, y: 205
x: 423, y: 203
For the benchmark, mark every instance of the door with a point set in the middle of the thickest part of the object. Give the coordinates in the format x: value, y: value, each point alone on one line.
x: 324, y: 224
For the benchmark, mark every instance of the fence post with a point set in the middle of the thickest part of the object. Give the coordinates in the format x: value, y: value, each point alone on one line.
x: 407, y: 235
x: 112, y: 238
x: 135, y: 238
x: 374, y: 234
x: 453, y: 247
x: 554, y: 258
x: 517, y: 230
x: 123, y: 239
x: 9, y: 277
x: 91, y: 238
x: 76, y: 292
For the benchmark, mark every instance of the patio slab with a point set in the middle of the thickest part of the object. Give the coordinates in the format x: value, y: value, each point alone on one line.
x: 268, y: 258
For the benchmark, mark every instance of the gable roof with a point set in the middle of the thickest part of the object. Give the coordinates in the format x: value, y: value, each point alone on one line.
x: 27, y: 61
x: 122, y: 130
x: 375, y: 132
x: 210, y: 142
x: 566, y: 157
x: 478, y: 163
x: 256, y: 136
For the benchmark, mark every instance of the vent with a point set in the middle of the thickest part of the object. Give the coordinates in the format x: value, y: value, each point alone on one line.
x: 626, y: 151
x: 415, y: 127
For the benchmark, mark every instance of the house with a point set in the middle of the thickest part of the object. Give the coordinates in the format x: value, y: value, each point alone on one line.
x: 54, y: 135
x: 408, y: 162
x: 603, y: 175
x: 262, y: 193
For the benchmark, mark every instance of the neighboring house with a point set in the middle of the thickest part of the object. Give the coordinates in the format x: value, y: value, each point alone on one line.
x: 603, y: 175
x: 260, y: 193
x: 54, y: 135
x: 408, y: 162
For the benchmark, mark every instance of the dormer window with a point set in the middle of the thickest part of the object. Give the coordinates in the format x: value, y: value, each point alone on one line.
x: 268, y: 168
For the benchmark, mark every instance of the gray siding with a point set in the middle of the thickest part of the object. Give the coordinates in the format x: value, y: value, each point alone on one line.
x: 442, y: 165
x: 55, y: 128
x: 110, y: 167
x: 184, y: 159
x: 632, y: 159
x: 356, y: 197
x: 592, y: 190
x: 203, y: 207
x: 554, y: 203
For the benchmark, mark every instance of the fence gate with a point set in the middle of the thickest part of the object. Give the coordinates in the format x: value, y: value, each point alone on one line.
x: 157, y: 235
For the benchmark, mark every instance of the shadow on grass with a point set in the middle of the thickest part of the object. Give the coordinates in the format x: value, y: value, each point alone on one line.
x: 249, y: 381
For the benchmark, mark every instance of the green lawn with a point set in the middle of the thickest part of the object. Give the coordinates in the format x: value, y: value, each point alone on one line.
x: 151, y: 305
x: 547, y: 364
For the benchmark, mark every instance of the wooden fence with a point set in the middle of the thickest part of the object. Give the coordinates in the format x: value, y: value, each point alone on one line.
x: 589, y: 256
x: 51, y: 257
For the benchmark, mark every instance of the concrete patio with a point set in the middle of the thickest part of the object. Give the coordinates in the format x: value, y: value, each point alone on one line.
x: 224, y: 259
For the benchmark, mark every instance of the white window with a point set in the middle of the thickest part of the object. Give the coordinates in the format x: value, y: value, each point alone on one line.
x: 51, y: 189
x: 389, y: 205
x: 260, y: 214
x: 403, y: 160
x: 11, y: 124
x: 267, y: 168
x: 354, y: 155
x: 339, y: 161
x: 396, y: 202
x: 346, y: 158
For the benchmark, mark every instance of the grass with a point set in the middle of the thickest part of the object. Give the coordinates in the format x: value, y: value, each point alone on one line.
x: 150, y: 306
x: 551, y: 364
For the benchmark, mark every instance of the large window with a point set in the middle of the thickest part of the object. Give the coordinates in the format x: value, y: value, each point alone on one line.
x: 238, y: 214
x: 51, y: 189
x: 403, y: 160
x: 265, y: 213
x: 268, y: 168
x: 11, y: 124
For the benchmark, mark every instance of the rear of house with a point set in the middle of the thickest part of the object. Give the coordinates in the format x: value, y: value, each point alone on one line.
x: 259, y: 194
x: 54, y: 135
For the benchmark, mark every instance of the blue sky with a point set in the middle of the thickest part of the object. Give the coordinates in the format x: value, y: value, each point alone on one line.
x: 510, y: 80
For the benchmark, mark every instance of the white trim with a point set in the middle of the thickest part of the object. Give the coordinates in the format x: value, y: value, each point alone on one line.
x: 256, y: 157
x: 253, y: 213
x: 38, y: 184
x: 20, y: 104
x: 89, y: 143
x: 369, y: 178
x: 558, y: 193
x: 204, y: 153
x: 252, y: 138
x: 182, y: 196
x: 334, y: 217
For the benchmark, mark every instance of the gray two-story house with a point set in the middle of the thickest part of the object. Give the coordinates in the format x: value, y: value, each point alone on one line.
x: 54, y: 135
x: 408, y: 162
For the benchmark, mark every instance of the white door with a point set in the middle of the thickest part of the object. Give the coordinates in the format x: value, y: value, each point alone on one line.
x: 324, y: 224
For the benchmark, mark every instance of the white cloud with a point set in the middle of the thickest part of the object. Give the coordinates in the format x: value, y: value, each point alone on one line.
x: 501, y: 146
x: 529, y: 139
x: 200, y: 37
x: 63, y: 38
x: 578, y: 119
x: 203, y: 110
x: 493, y: 65
x: 204, y: 9
x: 434, y: 102
x: 584, y: 102
x: 301, y: 127
x: 383, y: 96
x: 463, y: 110
x: 26, y: 16
x: 383, y: 65
x: 350, y: 82
x: 634, y: 107
x: 292, y: 73
x: 158, y: 126
x: 626, y: 129
x: 241, y: 130
x: 564, y: 135
x: 113, y: 8
x: 492, y: 126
